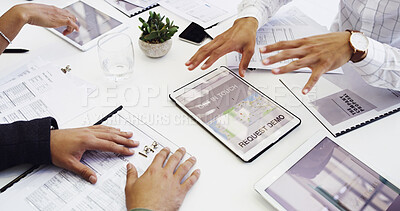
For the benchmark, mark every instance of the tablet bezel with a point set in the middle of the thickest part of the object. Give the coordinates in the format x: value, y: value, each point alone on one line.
x: 279, y: 170
x: 284, y: 166
x: 92, y: 42
x: 262, y: 146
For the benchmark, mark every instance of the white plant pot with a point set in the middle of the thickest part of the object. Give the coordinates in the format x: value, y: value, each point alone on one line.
x: 155, y: 50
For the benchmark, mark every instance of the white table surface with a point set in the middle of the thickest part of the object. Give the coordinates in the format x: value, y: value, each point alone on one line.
x: 226, y: 183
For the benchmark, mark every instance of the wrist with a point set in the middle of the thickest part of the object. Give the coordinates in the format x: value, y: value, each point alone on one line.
x: 359, y: 45
x: 250, y: 22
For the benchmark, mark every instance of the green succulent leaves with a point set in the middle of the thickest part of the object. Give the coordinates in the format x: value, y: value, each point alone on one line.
x: 154, y: 30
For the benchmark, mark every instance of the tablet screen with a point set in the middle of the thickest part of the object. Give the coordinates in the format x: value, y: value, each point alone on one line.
x: 234, y: 110
x: 329, y: 178
x: 92, y: 23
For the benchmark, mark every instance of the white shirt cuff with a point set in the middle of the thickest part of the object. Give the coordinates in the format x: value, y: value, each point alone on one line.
x: 373, y: 61
x: 254, y: 12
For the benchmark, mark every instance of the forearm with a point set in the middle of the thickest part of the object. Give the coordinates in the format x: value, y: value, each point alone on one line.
x: 381, y: 66
x: 25, y: 142
x: 11, y: 24
x: 262, y: 10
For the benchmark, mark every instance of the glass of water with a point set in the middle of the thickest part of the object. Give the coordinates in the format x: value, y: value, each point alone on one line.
x: 116, y: 56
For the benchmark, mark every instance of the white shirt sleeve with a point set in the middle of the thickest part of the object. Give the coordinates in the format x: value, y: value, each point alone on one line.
x: 262, y: 10
x: 381, y: 66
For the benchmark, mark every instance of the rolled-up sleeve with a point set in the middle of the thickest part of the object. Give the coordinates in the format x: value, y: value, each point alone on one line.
x: 381, y: 66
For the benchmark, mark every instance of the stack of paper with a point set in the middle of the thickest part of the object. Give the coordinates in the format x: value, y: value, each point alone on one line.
x: 132, y: 7
x: 40, y: 89
x: 203, y: 12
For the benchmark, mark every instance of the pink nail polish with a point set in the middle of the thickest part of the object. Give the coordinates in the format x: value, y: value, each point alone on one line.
x: 305, y: 91
x: 204, y: 66
x: 263, y: 49
x: 266, y: 61
x: 276, y: 70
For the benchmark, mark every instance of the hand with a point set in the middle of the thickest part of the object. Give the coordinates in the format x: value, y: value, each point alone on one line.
x: 320, y: 53
x: 47, y: 16
x: 241, y: 37
x: 159, y: 188
x: 67, y: 146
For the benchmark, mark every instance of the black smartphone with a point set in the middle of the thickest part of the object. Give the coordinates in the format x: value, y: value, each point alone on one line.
x: 194, y: 34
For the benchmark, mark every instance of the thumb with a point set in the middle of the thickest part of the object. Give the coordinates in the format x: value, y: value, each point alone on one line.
x: 131, y: 175
x: 83, y: 171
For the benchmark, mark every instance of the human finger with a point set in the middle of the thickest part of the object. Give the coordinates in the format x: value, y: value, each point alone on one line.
x: 244, y: 62
x: 175, y: 159
x: 285, y: 55
x: 68, y: 30
x: 202, y: 54
x: 106, y: 129
x: 109, y: 146
x: 281, y: 45
x: 191, y: 180
x: 315, y: 75
x: 215, y: 55
x: 160, y: 158
x: 185, y: 167
x: 117, y: 138
x: 83, y: 171
x: 131, y: 175
x: 72, y: 23
x: 295, y: 65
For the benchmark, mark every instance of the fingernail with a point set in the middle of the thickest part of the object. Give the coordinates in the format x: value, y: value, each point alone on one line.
x: 265, y: 61
x: 92, y: 179
x: 204, y: 66
x: 128, y: 166
x: 191, y: 66
x: 131, y: 150
x: 276, y: 70
x: 187, y: 63
x: 129, y: 133
x: 193, y: 158
x: 183, y: 149
x: 198, y: 171
x: 167, y: 148
x: 263, y: 49
x: 305, y: 91
x: 135, y: 142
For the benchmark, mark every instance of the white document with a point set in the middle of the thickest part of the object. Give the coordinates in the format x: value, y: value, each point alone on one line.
x: 52, y: 188
x: 127, y: 8
x: 286, y: 25
x: 39, y: 90
x: 203, y: 12
x: 343, y: 103
x: 142, y: 3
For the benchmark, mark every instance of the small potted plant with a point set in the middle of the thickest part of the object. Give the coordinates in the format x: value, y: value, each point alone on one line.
x: 155, y: 40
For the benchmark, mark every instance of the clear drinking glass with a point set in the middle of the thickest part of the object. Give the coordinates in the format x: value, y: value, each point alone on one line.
x: 116, y: 56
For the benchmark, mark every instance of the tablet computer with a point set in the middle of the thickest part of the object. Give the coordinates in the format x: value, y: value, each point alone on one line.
x: 240, y: 116
x: 321, y: 175
x: 92, y: 25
